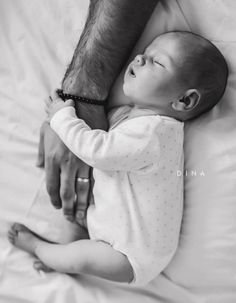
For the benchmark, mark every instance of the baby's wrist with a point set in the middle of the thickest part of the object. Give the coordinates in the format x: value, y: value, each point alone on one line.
x: 62, y: 112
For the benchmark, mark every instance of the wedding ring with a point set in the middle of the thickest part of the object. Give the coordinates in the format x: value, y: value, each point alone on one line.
x: 84, y: 180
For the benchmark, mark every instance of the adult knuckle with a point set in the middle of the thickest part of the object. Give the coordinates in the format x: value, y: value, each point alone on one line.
x: 72, y: 158
x: 66, y: 183
x: 80, y: 214
x: 51, y: 157
x: 84, y: 186
x: 65, y: 156
x: 66, y: 195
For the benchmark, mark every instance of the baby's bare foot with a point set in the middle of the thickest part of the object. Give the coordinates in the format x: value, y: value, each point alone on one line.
x: 20, y: 236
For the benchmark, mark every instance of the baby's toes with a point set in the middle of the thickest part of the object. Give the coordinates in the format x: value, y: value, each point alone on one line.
x: 11, y: 237
x: 16, y: 227
x: 13, y: 231
x: 38, y: 265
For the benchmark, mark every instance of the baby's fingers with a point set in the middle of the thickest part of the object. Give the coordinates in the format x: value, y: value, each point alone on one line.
x: 47, y: 105
x: 46, y: 109
x: 48, y: 101
x: 69, y: 103
x: 54, y: 95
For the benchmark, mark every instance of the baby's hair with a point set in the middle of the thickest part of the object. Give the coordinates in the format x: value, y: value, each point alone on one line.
x: 205, y: 69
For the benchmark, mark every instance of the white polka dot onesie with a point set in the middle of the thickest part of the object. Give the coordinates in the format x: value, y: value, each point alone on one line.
x: 138, y: 194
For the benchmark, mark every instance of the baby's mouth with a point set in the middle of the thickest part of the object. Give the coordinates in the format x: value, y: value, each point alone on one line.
x: 131, y: 72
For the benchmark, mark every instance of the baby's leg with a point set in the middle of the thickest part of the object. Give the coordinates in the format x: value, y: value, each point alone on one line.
x: 79, y: 257
x: 20, y: 236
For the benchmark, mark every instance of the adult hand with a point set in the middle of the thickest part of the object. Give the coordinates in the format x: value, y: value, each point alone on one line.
x: 62, y: 169
x: 104, y: 46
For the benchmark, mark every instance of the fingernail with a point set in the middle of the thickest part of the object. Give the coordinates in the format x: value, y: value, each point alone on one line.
x: 38, y: 164
x: 57, y: 206
x: 69, y: 218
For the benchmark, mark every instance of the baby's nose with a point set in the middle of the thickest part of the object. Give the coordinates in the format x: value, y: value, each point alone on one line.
x: 140, y: 59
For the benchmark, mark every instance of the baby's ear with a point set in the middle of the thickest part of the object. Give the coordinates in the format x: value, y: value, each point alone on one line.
x: 69, y: 103
x: 189, y: 101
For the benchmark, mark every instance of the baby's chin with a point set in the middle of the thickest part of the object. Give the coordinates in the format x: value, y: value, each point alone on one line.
x: 136, y: 98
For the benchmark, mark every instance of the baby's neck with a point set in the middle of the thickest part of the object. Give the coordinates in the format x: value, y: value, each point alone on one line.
x: 147, y: 107
x: 121, y: 99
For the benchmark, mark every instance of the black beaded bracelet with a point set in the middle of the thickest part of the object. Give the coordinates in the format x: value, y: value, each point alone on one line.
x: 65, y: 97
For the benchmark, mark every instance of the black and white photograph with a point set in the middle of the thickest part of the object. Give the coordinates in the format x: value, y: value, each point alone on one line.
x: 118, y: 151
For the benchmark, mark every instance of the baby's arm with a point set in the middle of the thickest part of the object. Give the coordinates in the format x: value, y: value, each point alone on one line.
x: 132, y: 145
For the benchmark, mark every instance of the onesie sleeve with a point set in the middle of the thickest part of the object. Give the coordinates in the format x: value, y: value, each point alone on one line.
x: 132, y: 145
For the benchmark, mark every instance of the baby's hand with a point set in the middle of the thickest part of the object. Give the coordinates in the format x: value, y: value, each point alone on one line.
x: 54, y: 103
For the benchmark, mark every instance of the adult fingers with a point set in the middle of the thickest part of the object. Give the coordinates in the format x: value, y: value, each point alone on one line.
x: 67, y: 190
x: 52, y: 170
x: 54, y: 95
x: 91, y: 197
x: 82, y: 192
x: 41, y: 152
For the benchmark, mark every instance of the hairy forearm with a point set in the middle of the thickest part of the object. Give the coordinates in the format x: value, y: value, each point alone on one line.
x: 111, y: 30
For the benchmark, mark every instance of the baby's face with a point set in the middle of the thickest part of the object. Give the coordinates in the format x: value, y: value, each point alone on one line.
x: 152, y: 77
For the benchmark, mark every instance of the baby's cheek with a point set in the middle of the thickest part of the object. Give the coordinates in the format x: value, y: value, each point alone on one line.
x: 127, y: 88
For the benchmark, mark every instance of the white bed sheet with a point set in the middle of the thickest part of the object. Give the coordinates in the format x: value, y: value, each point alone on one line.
x: 37, y: 40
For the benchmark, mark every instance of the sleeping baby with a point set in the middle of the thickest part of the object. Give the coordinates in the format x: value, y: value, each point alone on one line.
x: 133, y: 226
